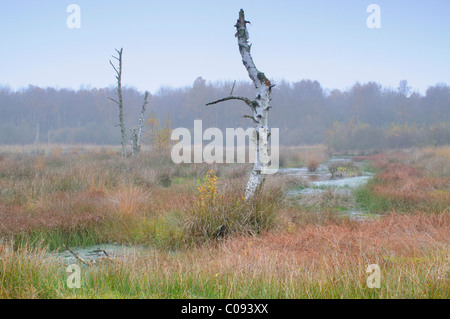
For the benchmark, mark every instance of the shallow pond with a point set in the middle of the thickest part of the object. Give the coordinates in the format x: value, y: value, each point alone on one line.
x: 94, y: 253
x: 320, y: 181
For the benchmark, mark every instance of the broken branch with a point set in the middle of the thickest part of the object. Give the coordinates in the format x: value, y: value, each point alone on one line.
x: 244, y: 99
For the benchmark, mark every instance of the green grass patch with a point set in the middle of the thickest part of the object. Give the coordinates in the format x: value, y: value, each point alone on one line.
x: 28, y: 274
x: 55, y: 239
x: 368, y: 201
x: 368, y: 167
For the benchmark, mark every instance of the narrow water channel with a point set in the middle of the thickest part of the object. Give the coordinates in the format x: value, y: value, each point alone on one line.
x: 321, y: 181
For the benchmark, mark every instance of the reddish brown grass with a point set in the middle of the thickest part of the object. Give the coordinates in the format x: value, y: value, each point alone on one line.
x: 56, y: 210
x: 170, y: 199
x: 404, y: 180
x: 394, y: 235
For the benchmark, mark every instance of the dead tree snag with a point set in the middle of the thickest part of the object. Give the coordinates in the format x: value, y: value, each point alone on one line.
x: 259, y: 106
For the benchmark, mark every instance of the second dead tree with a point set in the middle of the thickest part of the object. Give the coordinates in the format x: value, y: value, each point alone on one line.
x: 135, y: 134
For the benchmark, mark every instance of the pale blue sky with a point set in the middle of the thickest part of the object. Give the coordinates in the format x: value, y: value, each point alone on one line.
x: 173, y: 42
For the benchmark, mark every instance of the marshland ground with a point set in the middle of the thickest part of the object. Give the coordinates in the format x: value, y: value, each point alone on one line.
x: 193, y: 235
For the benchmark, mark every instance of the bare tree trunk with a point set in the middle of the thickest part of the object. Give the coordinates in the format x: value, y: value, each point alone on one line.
x: 120, y: 101
x: 260, y: 108
x: 141, y: 123
x: 133, y: 141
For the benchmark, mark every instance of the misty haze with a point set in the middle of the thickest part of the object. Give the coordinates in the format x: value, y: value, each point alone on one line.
x: 334, y: 181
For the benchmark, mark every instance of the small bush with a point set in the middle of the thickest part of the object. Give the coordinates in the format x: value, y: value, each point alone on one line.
x: 312, y: 164
x: 342, y: 169
x: 164, y: 177
x: 211, y: 215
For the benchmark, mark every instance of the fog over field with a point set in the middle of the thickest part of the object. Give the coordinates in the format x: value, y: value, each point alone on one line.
x: 365, y: 116
x: 243, y: 150
x: 345, y: 74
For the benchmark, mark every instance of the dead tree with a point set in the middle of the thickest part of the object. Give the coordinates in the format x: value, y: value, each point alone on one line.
x: 118, y: 71
x: 133, y: 141
x: 259, y: 106
x: 141, y: 124
x: 136, y: 133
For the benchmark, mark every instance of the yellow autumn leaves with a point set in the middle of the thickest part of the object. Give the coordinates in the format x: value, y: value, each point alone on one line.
x: 207, y: 189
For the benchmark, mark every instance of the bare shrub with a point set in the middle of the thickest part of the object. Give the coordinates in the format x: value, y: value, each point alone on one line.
x: 313, y: 164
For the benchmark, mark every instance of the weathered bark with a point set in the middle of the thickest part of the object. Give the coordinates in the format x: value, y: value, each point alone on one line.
x: 118, y: 71
x: 260, y: 108
x: 133, y: 141
x: 141, y: 123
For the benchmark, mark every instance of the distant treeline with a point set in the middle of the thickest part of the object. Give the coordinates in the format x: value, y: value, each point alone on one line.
x: 366, y: 116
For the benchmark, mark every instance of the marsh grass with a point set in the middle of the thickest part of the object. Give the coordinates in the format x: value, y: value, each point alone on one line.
x: 330, y: 197
x: 269, y: 248
x: 314, y: 261
x: 408, y: 182
x: 300, y: 156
